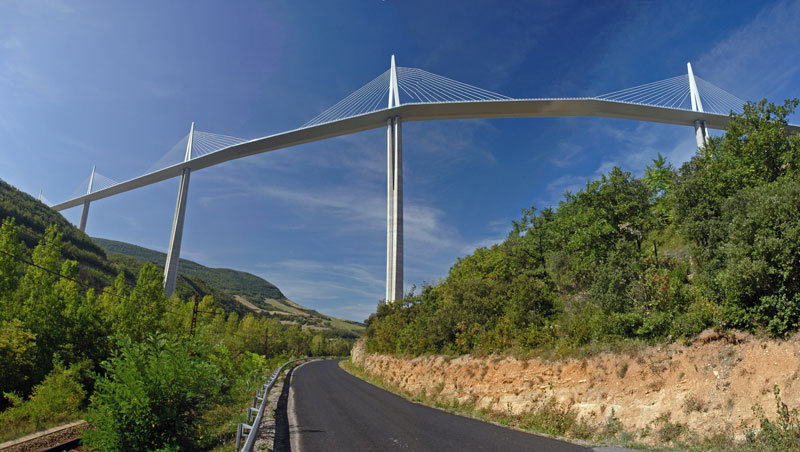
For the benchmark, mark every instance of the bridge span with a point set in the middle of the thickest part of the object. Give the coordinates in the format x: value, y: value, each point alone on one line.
x: 411, y: 94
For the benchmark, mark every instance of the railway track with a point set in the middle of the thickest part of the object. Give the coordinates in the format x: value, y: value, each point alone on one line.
x: 62, y: 438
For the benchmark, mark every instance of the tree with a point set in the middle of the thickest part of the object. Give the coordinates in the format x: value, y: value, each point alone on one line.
x: 761, y: 257
x: 10, y: 267
x: 660, y: 178
x: 141, y: 313
x: 17, y: 357
x: 319, y: 345
x: 153, y: 395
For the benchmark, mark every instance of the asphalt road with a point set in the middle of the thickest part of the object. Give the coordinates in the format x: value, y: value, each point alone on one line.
x: 330, y: 410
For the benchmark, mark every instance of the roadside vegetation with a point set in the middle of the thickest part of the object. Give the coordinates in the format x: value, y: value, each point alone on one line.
x: 629, y: 260
x: 781, y: 433
x: 125, y: 357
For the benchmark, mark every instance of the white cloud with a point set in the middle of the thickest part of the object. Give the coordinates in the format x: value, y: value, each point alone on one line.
x: 760, y: 44
x: 566, y: 155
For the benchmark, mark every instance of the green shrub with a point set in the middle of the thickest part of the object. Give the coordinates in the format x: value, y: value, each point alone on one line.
x: 57, y: 398
x: 780, y: 435
x: 17, y: 357
x: 153, y: 395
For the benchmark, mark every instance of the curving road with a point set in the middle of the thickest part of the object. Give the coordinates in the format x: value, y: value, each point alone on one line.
x: 330, y: 410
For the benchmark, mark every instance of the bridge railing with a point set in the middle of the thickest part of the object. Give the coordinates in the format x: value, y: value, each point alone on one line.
x: 259, y: 404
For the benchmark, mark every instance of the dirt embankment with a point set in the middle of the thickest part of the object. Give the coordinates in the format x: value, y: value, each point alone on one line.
x: 709, y: 387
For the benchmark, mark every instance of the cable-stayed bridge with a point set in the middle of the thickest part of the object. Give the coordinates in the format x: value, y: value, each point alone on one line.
x: 410, y: 94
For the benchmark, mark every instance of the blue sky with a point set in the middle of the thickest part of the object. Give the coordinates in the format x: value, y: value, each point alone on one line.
x: 117, y: 84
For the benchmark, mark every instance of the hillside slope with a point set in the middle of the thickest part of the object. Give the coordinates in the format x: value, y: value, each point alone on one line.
x: 236, y: 282
x: 33, y: 217
x: 233, y: 289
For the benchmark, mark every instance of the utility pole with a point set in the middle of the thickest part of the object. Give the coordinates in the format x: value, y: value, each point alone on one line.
x: 194, y: 315
x: 266, y: 340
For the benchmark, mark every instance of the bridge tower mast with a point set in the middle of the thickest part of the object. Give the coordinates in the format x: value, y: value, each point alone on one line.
x: 174, y: 252
x: 700, y: 129
x: 85, y: 211
x: 394, y: 195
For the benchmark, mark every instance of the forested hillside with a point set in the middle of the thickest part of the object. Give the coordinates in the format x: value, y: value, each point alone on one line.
x: 92, y: 339
x: 231, y: 281
x: 715, y: 243
x: 33, y: 217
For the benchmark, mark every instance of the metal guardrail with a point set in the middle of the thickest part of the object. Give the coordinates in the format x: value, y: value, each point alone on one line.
x: 261, y: 396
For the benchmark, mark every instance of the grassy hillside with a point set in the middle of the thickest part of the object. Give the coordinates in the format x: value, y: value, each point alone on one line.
x: 226, y: 284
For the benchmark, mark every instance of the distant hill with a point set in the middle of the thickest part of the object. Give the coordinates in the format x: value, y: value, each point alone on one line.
x: 101, y: 260
x: 234, y: 290
x: 234, y: 282
x: 33, y: 217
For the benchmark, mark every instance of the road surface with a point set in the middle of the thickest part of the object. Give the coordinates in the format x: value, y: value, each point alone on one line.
x: 330, y: 410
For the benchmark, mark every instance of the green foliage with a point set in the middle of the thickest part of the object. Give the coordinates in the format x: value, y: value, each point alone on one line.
x: 17, y: 356
x: 32, y: 218
x: 725, y: 234
x: 140, y: 312
x: 760, y: 269
x: 54, y: 400
x: 226, y: 285
x: 231, y: 281
x: 782, y: 434
x: 56, y: 334
x: 153, y: 395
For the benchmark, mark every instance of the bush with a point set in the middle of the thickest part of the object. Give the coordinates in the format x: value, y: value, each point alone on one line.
x: 153, y: 395
x: 17, y: 357
x: 760, y: 272
x: 57, y: 398
x: 782, y: 434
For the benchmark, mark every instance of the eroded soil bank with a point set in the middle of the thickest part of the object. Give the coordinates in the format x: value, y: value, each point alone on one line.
x: 710, y: 386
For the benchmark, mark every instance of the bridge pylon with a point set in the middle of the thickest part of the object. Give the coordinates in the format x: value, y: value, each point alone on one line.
x: 85, y: 211
x: 700, y: 127
x: 394, y: 195
x: 174, y: 251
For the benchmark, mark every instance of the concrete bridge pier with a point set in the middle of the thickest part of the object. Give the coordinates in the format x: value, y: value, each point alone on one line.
x: 394, y: 214
x: 174, y: 252
x: 85, y: 211
x: 394, y: 198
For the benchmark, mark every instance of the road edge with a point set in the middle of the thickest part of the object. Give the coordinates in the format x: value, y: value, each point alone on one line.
x: 593, y: 447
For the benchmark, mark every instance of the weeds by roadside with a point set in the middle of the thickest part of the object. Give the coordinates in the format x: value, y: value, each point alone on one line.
x: 558, y: 420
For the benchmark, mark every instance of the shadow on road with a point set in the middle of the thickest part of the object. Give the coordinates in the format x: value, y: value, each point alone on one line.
x: 282, y: 426
x: 282, y: 443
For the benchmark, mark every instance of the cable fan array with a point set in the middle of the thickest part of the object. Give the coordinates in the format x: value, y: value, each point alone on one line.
x: 426, y: 87
x: 99, y: 182
x: 202, y: 143
x: 205, y: 143
x: 674, y: 93
x: 416, y: 85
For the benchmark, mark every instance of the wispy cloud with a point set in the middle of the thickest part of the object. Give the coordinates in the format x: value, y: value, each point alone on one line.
x: 758, y: 44
x: 334, y: 288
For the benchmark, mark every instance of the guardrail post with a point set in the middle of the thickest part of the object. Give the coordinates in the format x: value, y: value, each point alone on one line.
x: 238, y: 436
